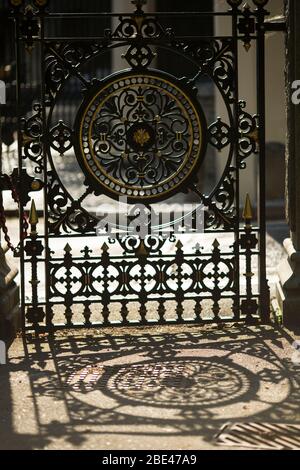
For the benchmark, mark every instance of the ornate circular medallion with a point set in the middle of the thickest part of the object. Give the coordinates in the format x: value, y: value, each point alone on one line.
x: 140, y: 135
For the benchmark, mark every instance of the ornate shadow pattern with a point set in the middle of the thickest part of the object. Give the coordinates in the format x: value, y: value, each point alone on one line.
x: 142, y: 133
x: 180, y: 382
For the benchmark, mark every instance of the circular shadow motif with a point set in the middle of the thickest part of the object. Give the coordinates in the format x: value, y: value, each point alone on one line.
x: 140, y: 135
x: 181, y: 382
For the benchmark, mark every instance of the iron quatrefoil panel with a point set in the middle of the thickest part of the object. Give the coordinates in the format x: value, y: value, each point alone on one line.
x: 140, y: 136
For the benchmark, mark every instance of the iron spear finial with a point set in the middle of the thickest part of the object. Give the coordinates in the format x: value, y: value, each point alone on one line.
x: 33, y: 217
x: 247, y: 212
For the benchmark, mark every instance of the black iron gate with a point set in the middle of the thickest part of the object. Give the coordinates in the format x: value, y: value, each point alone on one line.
x: 140, y: 133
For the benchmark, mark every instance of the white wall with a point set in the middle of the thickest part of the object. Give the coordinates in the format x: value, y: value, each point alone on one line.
x: 275, y: 98
x: 275, y: 86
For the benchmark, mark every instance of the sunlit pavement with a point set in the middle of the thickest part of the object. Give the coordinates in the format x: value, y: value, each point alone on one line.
x: 146, y: 388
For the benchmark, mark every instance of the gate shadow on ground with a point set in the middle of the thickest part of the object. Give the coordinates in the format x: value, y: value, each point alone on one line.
x: 175, y: 381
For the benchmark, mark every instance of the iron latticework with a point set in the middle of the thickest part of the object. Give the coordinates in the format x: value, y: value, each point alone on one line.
x: 139, y: 135
x: 143, y: 134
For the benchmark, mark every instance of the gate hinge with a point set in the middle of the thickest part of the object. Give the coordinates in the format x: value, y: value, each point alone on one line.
x: 275, y: 23
x: 20, y: 185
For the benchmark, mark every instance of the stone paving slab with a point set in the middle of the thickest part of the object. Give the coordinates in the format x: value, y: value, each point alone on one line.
x: 145, y: 388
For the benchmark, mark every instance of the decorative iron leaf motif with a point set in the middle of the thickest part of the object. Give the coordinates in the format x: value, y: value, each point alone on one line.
x: 139, y: 56
x: 220, y: 210
x: 61, y: 137
x: 55, y: 75
x: 224, y: 196
x: 137, y: 27
x: 248, y: 134
x: 150, y: 244
x: 216, y: 59
x: 64, y: 60
x: 220, y: 134
x: 32, y: 136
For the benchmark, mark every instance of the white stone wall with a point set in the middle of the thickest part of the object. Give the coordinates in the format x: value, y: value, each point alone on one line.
x: 275, y: 88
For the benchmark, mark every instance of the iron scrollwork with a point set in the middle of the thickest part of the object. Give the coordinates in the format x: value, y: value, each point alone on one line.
x: 140, y: 136
x: 65, y: 214
x: 32, y: 137
x: 61, y: 137
x: 220, y: 134
x: 216, y: 59
x: 144, y: 275
x: 248, y: 134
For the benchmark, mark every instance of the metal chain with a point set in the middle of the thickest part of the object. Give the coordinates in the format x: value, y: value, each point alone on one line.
x: 3, y: 224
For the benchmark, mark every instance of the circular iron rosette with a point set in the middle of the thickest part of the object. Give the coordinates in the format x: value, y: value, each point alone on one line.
x: 140, y: 135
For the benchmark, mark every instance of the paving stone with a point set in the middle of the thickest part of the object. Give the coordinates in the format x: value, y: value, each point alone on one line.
x: 169, y: 387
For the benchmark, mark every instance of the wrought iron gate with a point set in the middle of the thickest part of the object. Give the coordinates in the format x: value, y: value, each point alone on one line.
x: 139, y: 133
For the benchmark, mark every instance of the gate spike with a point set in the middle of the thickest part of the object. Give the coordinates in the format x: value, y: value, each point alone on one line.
x: 179, y: 245
x: 104, y: 247
x: 67, y: 248
x: 247, y: 212
x: 33, y: 217
x: 216, y: 244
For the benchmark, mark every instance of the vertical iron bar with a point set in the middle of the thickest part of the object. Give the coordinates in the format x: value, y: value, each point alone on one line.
x: 142, y: 254
x: 48, y: 308
x: 236, y: 305
x: 68, y: 296
x: 179, y: 258
x: 34, y: 248
x: 105, y: 297
x: 248, y: 243
x: 261, y: 199
x: 20, y: 164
